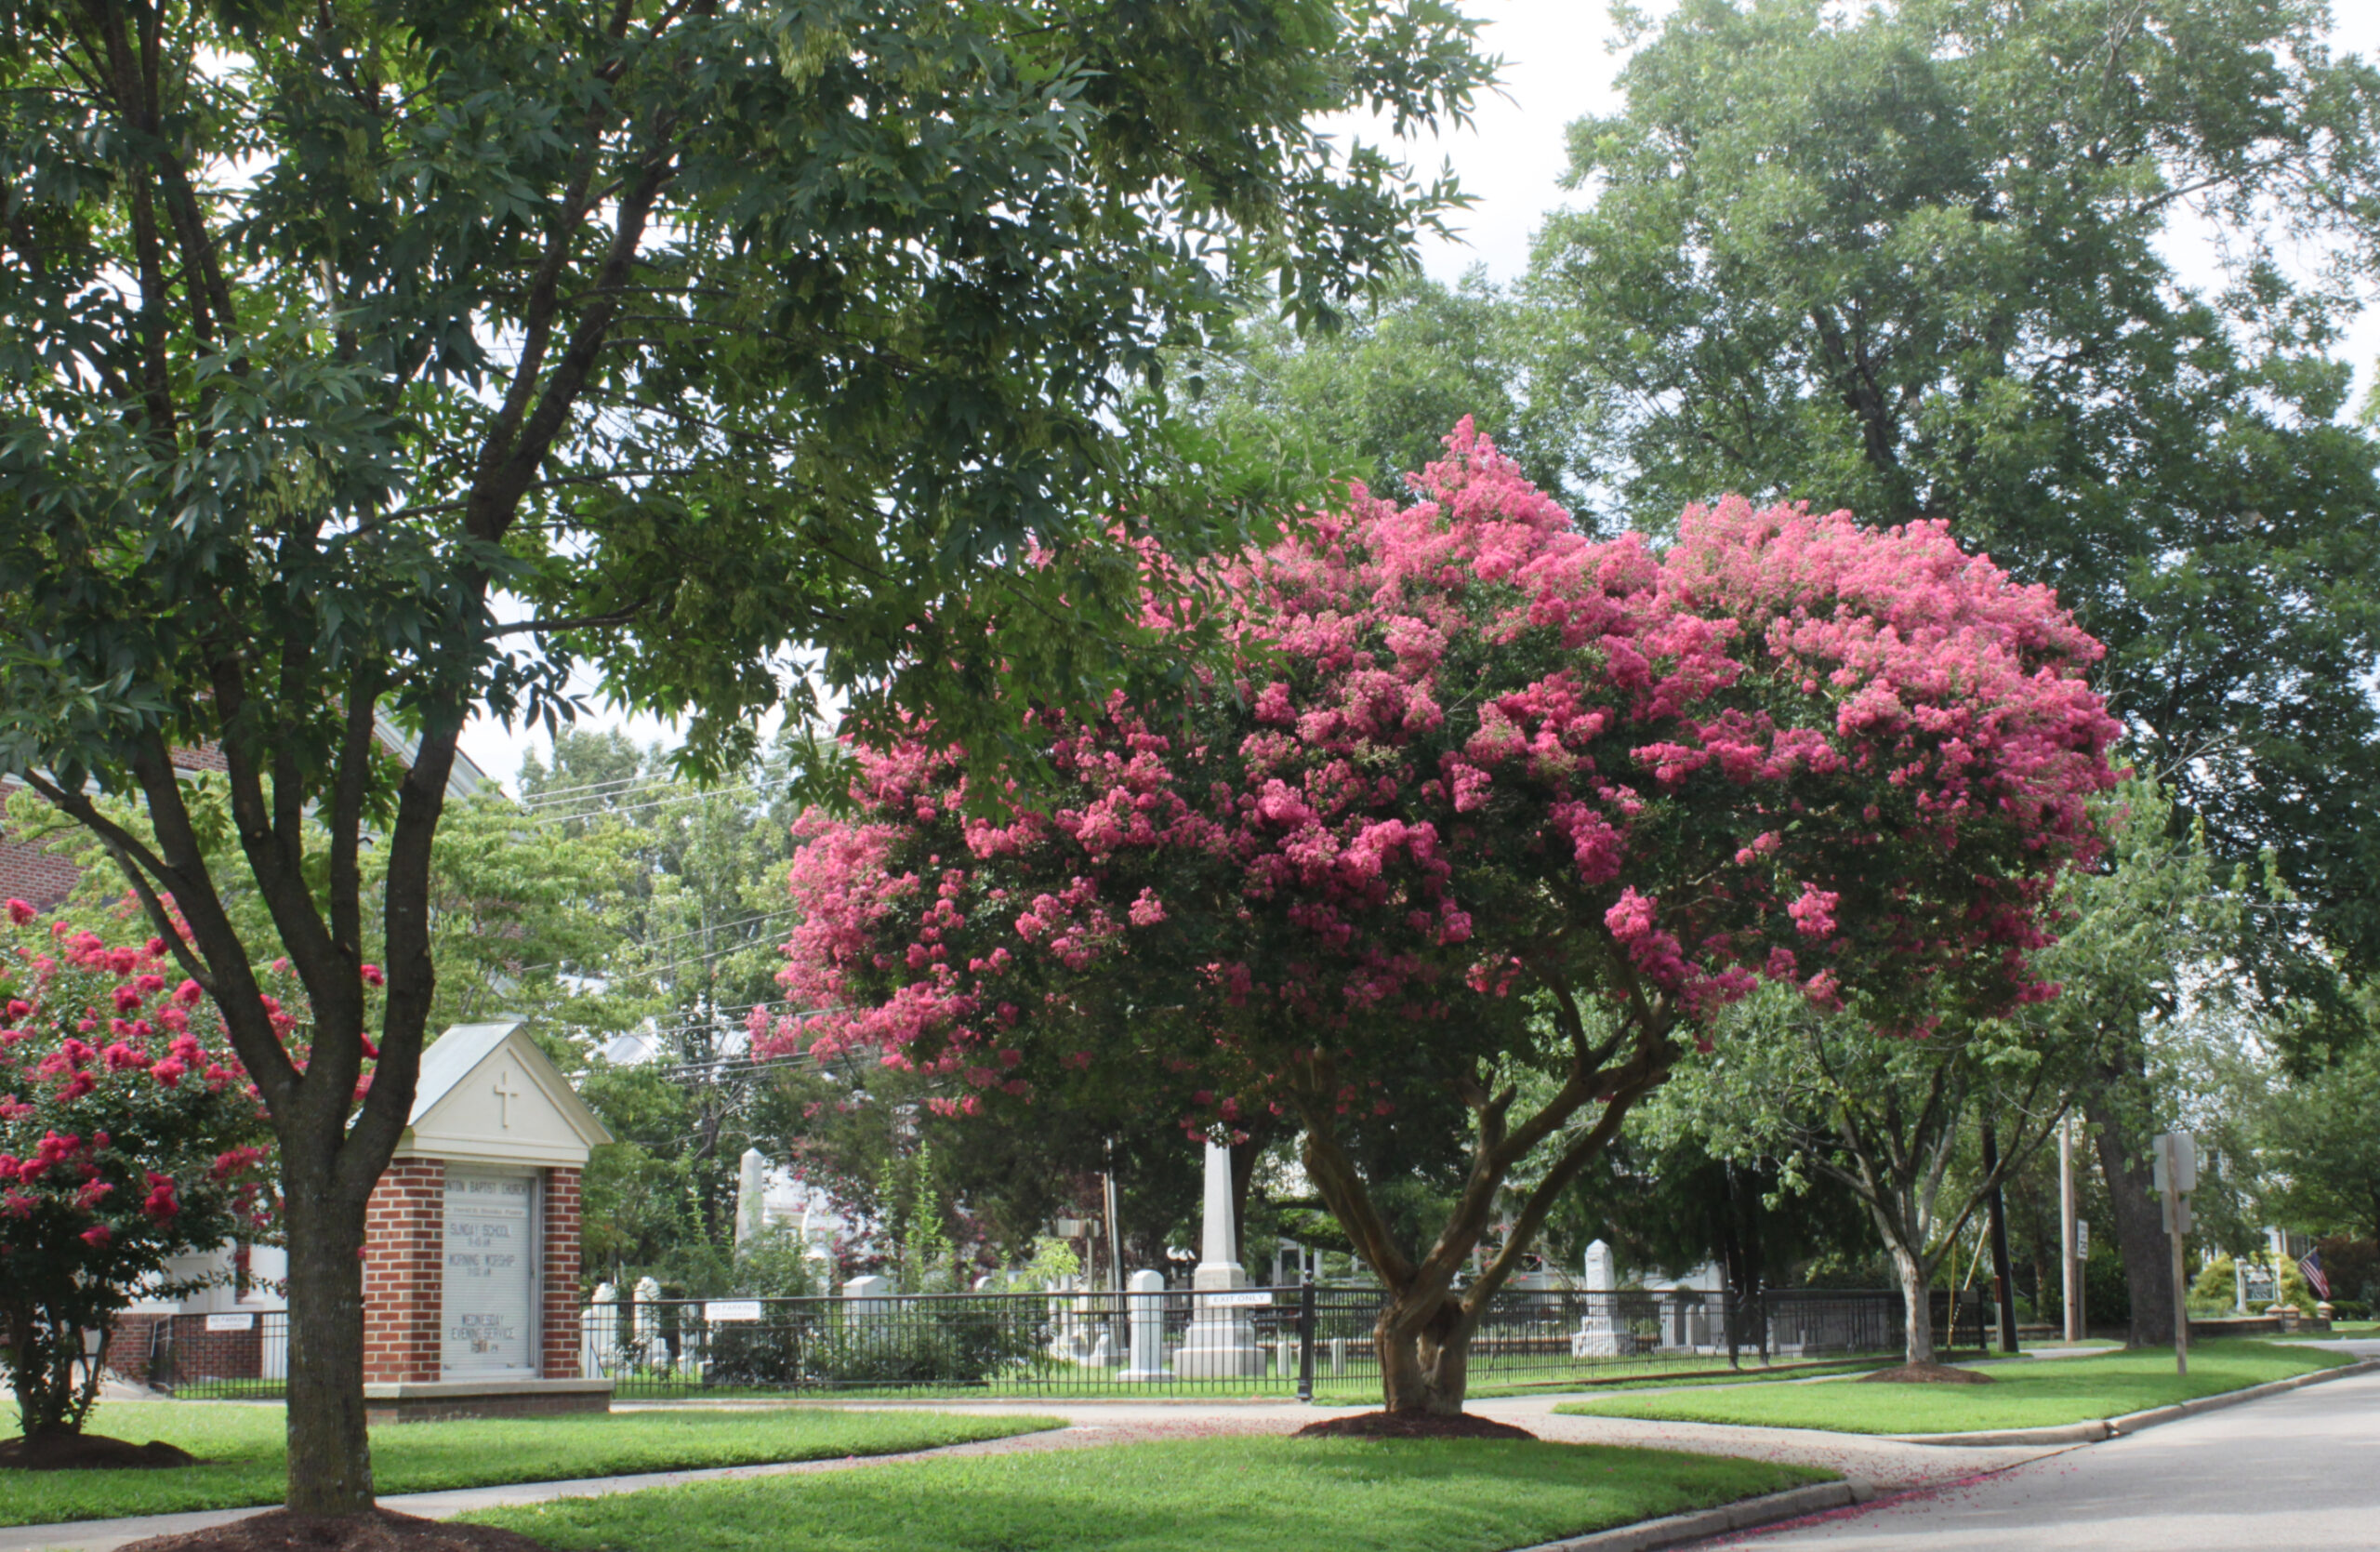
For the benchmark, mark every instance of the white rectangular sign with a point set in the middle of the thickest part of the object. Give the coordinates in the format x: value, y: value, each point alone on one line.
x: 1248, y: 1298
x: 718, y: 1310
x: 231, y: 1322
x: 489, y: 1318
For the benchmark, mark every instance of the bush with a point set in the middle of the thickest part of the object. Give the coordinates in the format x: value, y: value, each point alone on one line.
x: 128, y: 1137
x: 2350, y: 1309
x: 822, y: 1343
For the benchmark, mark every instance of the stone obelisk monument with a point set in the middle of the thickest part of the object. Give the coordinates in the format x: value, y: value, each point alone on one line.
x: 1222, y: 1340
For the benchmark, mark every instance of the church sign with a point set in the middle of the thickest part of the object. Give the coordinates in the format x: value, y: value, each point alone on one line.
x: 471, y: 1252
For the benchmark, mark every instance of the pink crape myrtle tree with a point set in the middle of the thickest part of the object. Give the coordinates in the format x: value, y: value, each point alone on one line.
x: 1485, y: 825
x: 129, y: 1136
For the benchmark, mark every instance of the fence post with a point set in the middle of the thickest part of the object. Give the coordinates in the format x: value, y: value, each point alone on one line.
x: 1305, y: 1339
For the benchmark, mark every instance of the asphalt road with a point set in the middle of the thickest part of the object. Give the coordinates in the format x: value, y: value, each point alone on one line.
x: 2299, y: 1470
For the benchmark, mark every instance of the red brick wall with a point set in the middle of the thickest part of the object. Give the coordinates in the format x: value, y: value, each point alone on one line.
x: 405, y: 1272
x: 130, y: 1343
x: 560, y: 1359
x: 29, y: 874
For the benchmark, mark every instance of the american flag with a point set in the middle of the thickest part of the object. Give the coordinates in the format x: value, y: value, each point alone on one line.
x: 2312, y: 1265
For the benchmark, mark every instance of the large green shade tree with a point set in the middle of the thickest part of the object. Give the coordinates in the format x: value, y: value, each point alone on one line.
x: 1912, y: 259
x: 397, y: 358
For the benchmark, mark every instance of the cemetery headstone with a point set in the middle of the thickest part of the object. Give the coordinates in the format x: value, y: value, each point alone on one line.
x: 1599, y: 1333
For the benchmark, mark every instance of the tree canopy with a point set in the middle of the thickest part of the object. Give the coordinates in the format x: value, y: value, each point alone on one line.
x: 384, y: 360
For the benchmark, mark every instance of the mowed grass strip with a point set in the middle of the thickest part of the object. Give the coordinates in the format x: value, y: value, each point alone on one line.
x: 244, y: 1449
x: 2045, y: 1393
x: 1217, y: 1495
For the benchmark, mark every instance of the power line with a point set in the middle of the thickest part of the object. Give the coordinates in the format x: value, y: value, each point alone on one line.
x: 695, y: 959
x: 690, y: 932
x: 662, y: 801
x: 556, y: 795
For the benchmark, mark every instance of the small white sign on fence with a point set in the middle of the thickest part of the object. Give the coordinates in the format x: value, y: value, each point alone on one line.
x: 1246, y: 1298
x: 719, y: 1310
x: 231, y: 1322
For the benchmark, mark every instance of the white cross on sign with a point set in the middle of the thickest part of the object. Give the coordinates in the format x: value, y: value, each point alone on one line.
x: 505, y: 1096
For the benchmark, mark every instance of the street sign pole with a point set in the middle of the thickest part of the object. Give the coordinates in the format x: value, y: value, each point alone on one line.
x: 2069, y: 1252
x: 2175, y: 1169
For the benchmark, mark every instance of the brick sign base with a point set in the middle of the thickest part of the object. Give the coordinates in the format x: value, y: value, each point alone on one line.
x: 404, y: 1258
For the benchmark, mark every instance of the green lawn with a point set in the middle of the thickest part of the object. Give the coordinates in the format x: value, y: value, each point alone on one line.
x: 2039, y: 1394
x: 244, y: 1450
x: 1217, y: 1495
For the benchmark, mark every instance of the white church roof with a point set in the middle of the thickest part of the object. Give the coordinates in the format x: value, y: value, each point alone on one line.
x: 487, y: 1095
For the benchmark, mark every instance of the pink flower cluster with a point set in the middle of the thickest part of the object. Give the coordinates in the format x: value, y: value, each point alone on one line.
x: 1467, y: 753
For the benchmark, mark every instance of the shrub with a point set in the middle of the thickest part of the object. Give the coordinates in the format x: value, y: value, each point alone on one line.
x: 128, y: 1135
x: 818, y: 1343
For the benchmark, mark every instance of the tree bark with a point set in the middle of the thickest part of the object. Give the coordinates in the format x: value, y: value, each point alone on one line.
x: 2004, y: 1271
x: 1424, y: 1363
x: 1917, y: 1316
x: 2140, y: 1228
x: 330, y: 1454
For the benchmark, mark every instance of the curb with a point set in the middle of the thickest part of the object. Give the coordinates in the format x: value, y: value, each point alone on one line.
x: 2100, y: 1428
x: 1744, y: 1515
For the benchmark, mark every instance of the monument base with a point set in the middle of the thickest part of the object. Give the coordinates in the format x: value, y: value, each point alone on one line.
x: 1594, y: 1339
x: 437, y: 1400
x: 1221, y: 1346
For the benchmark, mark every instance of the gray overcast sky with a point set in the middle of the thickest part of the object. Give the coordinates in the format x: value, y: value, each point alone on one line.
x: 1557, y: 66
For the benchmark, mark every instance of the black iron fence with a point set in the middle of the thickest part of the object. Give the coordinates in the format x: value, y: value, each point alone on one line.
x: 1292, y: 1340
x: 242, y: 1356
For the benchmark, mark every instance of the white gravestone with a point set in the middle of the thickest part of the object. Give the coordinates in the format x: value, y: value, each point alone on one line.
x: 489, y: 1315
x: 1222, y: 1342
x: 1146, y: 1302
x: 1599, y: 1335
x: 648, y: 1322
x: 601, y: 1337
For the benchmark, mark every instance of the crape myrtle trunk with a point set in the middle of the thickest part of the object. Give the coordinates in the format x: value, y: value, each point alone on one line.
x: 1916, y: 1275
x: 1423, y: 1333
x: 1424, y: 1356
x: 54, y: 1387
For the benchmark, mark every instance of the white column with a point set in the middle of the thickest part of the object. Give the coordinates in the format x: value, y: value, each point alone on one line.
x: 751, y: 1194
x: 1218, y: 1265
x: 1221, y: 1341
x: 1146, y: 1302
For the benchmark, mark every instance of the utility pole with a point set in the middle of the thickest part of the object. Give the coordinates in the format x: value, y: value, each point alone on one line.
x: 1115, y: 1245
x: 2069, y: 1252
x: 1997, y: 1209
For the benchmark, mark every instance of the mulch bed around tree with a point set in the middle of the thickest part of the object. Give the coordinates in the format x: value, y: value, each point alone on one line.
x: 381, y: 1531
x: 1928, y: 1374
x: 89, y: 1452
x: 1407, y: 1424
